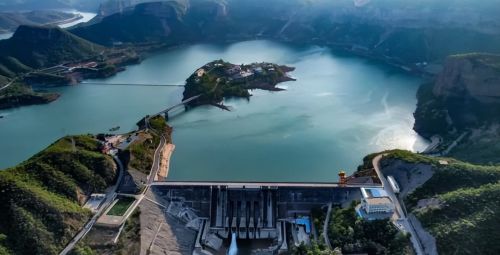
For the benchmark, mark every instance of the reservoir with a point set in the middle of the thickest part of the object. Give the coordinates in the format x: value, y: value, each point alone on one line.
x: 340, y: 109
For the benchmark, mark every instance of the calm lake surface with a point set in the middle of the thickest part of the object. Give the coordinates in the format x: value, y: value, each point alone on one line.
x: 339, y: 109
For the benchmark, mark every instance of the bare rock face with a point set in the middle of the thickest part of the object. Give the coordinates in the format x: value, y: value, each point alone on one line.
x: 465, y: 95
x: 472, y: 76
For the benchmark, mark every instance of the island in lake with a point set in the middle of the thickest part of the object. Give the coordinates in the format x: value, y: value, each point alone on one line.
x: 218, y: 80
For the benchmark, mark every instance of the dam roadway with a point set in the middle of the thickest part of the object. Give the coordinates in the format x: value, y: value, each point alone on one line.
x: 263, y: 184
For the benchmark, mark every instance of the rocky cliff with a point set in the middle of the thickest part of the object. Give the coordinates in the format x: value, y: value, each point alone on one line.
x: 466, y: 94
x: 402, y: 32
x: 464, y: 99
x: 471, y: 76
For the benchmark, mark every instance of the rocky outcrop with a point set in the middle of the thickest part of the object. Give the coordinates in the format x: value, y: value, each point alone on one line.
x: 464, y: 99
x: 472, y: 76
x: 465, y: 95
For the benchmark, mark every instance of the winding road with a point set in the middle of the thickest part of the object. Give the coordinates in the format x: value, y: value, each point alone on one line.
x: 401, y: 220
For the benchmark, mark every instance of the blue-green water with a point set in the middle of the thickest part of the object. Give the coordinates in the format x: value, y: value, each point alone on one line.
x: 339, y: 109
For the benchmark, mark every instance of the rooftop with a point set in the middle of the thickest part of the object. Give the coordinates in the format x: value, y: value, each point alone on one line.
x: 373, y: 193
x: 378, y: 201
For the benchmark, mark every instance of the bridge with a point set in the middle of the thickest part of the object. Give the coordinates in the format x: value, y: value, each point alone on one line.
x: 184, y: 102
x: 132, y: 84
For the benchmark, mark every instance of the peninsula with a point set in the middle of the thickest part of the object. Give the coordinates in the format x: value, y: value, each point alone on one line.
x: 218, y: 80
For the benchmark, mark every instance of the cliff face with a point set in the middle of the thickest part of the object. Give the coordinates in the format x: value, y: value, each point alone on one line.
x: 473, y: 76
x: 400, y: 31
x: 465, y: 95
x: 464, y: 99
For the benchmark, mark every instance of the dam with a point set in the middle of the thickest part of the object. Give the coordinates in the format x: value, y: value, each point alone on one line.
x: 266, y: 217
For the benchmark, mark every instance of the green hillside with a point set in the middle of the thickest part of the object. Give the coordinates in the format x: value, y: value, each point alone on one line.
x: 361, y: 31
x: 151, y: 22
x: 19, y: 94
x: 41, y: 199
x: 466, y: 217
x: 36, y: 47
x: 9, y: 21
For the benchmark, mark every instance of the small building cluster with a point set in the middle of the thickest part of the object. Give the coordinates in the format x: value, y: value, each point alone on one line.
x: 236, y: 72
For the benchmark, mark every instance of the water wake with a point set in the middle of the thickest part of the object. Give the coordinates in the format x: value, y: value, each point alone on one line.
x: 233, y: 248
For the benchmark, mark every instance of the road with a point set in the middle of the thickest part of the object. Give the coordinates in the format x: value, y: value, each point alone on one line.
x: 8, y: 84
x: 325, y: 226
x: 109, y: 199
x: 156, y: 157
x: 401, y: 220
x: 259, y: 184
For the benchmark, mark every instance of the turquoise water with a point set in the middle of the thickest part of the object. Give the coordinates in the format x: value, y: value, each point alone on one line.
x: 339, y: 109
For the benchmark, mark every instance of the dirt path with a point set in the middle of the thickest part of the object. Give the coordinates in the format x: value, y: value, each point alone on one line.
x: 165, y: 161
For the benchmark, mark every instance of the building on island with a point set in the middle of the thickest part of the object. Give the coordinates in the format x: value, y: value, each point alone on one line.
x: 242, y: 74
x: 233, y: 70
x: 376, y: 201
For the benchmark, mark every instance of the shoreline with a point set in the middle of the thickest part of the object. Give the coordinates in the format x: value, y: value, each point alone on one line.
x: 166, y: 154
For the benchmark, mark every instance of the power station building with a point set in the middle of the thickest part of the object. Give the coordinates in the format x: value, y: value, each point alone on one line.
x: 376, y: 200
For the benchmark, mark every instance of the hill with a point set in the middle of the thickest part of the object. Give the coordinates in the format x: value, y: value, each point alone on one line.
x: 41, y: 199
x: 456, y: 202
x: 406, y: 37
x: 218, y: 80
x: 22, y: 5
x: 147, y: 22
x: 19, y: 94
x: 36, y: 47
x: 9, y: 21
x: 464, y: 99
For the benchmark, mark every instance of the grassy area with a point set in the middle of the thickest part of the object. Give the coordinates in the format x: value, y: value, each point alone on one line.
x: 121, y: 207
x: 130, y: 239
x: 19, y: 94
x: 139, y: 155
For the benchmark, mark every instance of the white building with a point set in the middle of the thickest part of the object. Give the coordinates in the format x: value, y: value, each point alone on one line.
x: 376, y: 200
